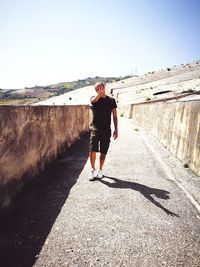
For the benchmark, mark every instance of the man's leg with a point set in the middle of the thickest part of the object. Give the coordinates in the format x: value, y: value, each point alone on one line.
x: 104, y: 145
x: 92, y: 159
x: 94, y: 144
x: 101, y: 161
x: 93, y: 172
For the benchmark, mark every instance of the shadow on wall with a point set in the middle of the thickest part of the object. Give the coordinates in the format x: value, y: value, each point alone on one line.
x: 25, y: 226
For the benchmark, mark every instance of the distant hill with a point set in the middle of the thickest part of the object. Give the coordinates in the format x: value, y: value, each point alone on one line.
x: 179, y: 83
x: 169, y: 82
x: 43, y: 92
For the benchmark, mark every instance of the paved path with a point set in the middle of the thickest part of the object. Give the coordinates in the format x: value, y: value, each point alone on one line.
x: 135, y: 216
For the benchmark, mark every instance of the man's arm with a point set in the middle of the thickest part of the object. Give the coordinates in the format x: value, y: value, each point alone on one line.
x: 100, y: 93
x: 94, y: 99
x: 115, y: 121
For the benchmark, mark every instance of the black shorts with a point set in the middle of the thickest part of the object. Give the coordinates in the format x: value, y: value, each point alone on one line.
x: 100, y: 141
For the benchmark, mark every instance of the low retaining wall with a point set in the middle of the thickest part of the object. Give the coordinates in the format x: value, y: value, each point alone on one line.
x: 175, y: 125
x: 31, y: 137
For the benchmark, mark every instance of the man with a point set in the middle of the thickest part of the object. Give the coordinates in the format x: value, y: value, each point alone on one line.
x: 103, y: 107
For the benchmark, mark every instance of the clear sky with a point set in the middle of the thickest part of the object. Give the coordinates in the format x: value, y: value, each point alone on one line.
x: 49, y: 41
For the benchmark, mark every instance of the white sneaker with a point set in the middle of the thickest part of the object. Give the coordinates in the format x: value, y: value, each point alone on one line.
x: 92, y: 175
x: 100, y: 174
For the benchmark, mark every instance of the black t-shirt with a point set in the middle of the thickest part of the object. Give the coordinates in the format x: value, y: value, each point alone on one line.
x: 102, y: 113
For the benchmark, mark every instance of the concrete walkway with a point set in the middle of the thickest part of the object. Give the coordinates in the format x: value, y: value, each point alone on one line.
x: 135, y: 216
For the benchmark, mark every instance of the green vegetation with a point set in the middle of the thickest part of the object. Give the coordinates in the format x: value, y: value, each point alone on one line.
x: 23, y: 96
x: 7, y: 101
x: 17, y: 101
x: 61, y: 88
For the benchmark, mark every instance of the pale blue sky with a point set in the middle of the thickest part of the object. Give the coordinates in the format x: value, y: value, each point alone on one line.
x: 49, y: 41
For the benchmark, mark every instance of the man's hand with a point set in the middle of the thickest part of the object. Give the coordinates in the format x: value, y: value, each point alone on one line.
x: 95, y: 98
x: 100, y: 91
x: 115, y: 134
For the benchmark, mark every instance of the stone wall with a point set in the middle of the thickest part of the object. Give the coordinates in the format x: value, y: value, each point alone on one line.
x: 31, y: 137
x: 175, y: 125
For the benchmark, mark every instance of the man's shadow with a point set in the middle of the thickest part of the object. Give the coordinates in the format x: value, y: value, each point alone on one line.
x: 146, y: 191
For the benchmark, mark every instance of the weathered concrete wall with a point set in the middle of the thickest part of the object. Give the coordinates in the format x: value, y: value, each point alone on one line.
x: 31, y: 137
x: 175, y: 125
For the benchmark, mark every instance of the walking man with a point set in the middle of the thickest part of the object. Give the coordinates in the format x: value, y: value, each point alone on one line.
x: 103, y: 107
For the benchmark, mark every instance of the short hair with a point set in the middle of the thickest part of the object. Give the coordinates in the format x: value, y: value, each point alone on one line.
x: 99, y: 83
